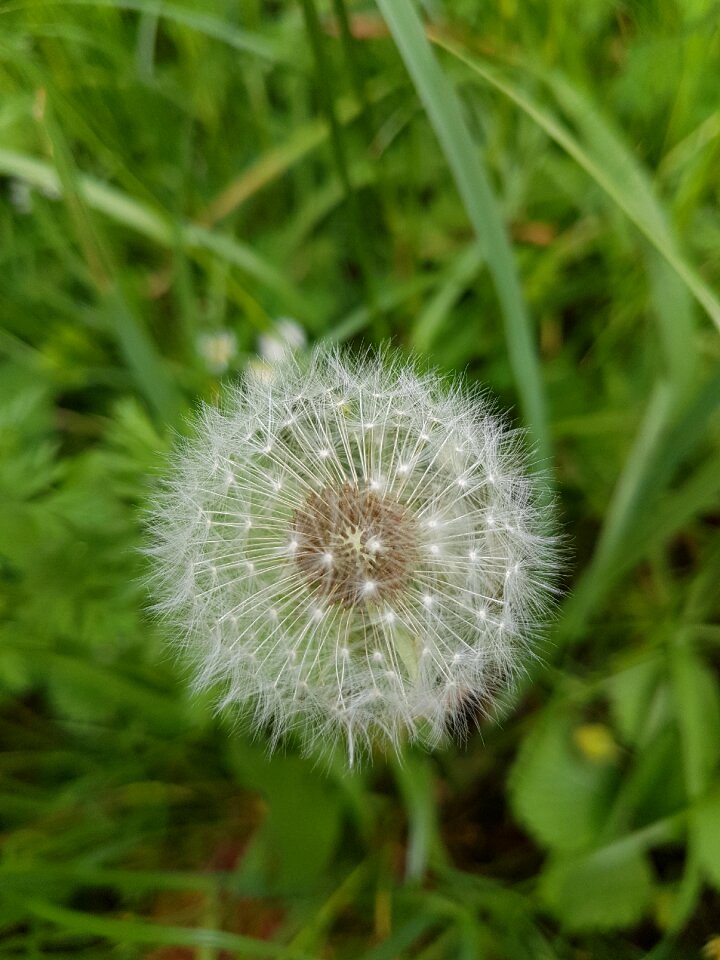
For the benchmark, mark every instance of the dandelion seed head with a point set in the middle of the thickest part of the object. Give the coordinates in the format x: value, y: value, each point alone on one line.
x: 380, y: 547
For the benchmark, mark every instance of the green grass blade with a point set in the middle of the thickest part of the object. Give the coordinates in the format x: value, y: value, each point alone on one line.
x: 215, y: 27
x: 390, y: 297
x: 671, y: 515
x: 636, y: 206
x: 135, y: 343
x: 277, y: 161
x: 481, y: 205
x: 621, y: 515
x: 634, y: 193
x: 153, y: 934
x: 414, y: 776
x: 155, y: 226
x: 431, y: 320
x: 141, y: 355
x: 360, y: 237
x: 674, y: 310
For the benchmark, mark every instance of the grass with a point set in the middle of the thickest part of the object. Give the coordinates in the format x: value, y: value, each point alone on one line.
x: 528, y: 194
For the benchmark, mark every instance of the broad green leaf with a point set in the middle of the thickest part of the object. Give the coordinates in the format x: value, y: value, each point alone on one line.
x: 632, y: 694
x: 560, y: 797
x: 604, y: 890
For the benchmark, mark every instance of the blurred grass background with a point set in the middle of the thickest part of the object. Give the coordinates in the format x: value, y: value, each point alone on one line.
x: 524, y: 191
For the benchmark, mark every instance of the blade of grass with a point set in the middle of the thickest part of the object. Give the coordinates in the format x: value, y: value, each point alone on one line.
x: 415, y: 780
x: 318, y: 207
x: 215, y: 27
x: 621, y: 513
x: 390, y: 297
x: 155, y: 226
x: 277, y: 161
x: 271, y: 165
x: 676, y: 324
x: 136, y: 345
x: 402, y: 938
x: 145, y: 45
x: 360, y: 238
x: 152, y: 934
x: 631, y: 182
x: 355, y: 68
x: 482, y: 207
x: 662, y: 443
x: 311, y: 932
x: 670, y: 516
x: 430, y: 321
x: 636, y: 208
x: 21, y: 877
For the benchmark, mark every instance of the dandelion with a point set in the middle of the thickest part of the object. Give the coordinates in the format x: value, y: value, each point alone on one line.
x: 352, y: 551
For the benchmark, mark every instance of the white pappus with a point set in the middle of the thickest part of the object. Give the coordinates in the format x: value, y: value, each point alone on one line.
x: 353, y: 551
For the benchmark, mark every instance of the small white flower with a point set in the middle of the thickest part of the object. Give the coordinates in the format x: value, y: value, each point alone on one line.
x: 217, y: 349
x: 21, y: 196
x: 286, y: 336
x: 367, y: 586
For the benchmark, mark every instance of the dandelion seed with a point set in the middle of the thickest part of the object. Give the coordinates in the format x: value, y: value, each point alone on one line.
x: 399, y: 556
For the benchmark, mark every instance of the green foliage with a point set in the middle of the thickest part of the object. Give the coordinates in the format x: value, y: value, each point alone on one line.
x: 610, y: 887
x: 705, y: 836
x: 560, y: 796
x: 528, y: 193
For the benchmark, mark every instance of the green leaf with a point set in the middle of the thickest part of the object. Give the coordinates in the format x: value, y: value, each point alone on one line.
x: 15, y: 674
x: 481, y: 205
x: 633, y: 698
x: 604, y: 890
x: 558, y: 795
x: 415, y: 777
x: 305, y: 810
x: 697, y: 705
x: 87, y: 691
x: 705, y: 836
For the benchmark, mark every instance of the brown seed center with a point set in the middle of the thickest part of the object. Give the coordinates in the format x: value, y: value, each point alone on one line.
x: 354, y: 546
